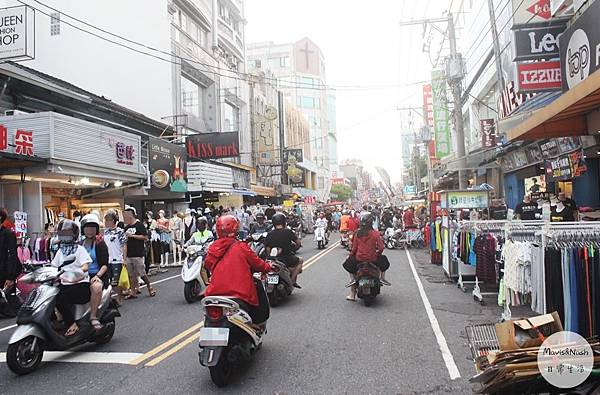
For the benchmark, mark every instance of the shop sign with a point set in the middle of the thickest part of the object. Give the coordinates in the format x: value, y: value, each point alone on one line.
x: 539, y: 77
x: 310, y: 200
x: 538, y: 41
x: 168, y: 166
x: 488, y: 132
x: 534, y: 153
x: 125, y: 153
x: 568, y: 144
x: 337, y: 181
x: 213, y: 145
x: 509, y: 100
x: 579, y: 47
x: 294, y: 174
x: 410, y: 190
x: 528, y: 11
x: 428, y: 105
x: 241, y: 178
x: 17, y: 35
x: 20, y: 223
x: 288, y: 203
x: 465, y: 199
x: 23, y: 141
x: 549, y: 149
x: 566, y: 167
x: 441, y: 124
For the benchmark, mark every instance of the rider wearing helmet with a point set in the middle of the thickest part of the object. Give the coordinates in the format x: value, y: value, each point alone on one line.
x: 367, y: 246
x: 231, y: 264
x: 73, y: 260
x: 201, y: 234
x: 285, y: 239
x: 98, y: 267
x: 261, y: 225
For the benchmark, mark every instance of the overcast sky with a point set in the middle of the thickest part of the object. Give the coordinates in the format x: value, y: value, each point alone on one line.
x: 364, y: 45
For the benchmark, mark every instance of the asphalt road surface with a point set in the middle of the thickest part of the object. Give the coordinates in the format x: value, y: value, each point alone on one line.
x: 318, y: 342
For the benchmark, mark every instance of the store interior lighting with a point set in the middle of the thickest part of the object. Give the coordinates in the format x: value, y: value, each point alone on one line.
x: 118, y: 184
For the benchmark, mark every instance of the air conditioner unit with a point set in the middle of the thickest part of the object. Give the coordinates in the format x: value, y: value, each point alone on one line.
x: 10, y: 113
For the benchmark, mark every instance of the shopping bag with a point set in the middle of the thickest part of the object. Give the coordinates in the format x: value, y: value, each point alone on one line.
x: 124, y: 278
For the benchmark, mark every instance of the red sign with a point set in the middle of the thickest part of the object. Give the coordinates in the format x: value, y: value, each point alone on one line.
x: 539, y: 76
x: 541, y: 9
x: 310, y: 199
x: 488, y: 133
x: 428, y: 104
x: 336, y: 181
x: 3, y: 138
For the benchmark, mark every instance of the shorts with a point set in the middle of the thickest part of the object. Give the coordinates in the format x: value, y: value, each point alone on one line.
x: 135, y: 266
x: 351, y: 264
x: 289, y: 260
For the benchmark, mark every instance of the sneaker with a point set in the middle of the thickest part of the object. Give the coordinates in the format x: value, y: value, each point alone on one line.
x: 297, y: 286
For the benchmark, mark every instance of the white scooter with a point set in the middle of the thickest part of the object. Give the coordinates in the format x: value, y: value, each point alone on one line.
x: 195, y: 279
x: 320, y: 237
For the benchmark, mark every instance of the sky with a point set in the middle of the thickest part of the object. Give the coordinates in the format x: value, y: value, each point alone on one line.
x: 363, y: 44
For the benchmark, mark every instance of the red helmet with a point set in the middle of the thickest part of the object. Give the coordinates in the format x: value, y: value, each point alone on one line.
x: 227, y: 226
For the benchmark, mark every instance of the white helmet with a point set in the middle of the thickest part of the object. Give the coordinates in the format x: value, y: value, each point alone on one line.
x: 90, y: 219
x: 207, y: 211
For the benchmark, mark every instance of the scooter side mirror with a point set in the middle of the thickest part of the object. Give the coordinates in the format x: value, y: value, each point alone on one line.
x: 274, y: 252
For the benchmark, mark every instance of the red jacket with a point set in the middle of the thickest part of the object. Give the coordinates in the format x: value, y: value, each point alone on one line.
x: 232, y: 275
x: 367, y: 248
x: 353, y: 224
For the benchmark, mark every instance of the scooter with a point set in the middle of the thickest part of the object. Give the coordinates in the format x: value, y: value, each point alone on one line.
x: 344, y: 238
x: 368, y: 283
x: 279, y: 283
x: 320, y: 237
x: 257, y: 244
x: 195, y: 278
x: 228, y: 337
x: 35, y: 332
x: 394, y: 238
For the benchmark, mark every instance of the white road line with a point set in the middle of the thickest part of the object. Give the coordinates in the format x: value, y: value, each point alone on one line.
x: 86, y: 357
x: 441, y: 340
x: 153, y: 282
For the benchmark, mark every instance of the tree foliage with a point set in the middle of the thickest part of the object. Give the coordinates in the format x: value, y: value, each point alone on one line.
x: 341, y: 191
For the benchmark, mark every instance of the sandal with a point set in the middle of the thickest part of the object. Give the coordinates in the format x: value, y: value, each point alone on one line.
x: 72, y: 331
x: 152, y: 292
x: 96, y: 324
x: 130, y: 296
x: 351, y: 298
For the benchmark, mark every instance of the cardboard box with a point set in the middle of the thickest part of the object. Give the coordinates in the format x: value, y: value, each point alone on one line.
x: 525, y: 332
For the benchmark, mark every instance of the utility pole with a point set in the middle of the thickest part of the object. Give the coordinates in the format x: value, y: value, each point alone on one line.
x: 496, y: 46
x: 454, y: 76
x: 284, y: 179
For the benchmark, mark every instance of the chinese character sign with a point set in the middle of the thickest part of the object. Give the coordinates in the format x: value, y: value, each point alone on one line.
x: 24, y: 143
x: 3, y: 138
x: 125, y: 153
x: 440, y: 115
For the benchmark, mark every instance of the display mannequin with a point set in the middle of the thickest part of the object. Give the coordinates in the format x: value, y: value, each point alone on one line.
x: 177, y: 243
x: 560, y: 212
x: 163, y: 226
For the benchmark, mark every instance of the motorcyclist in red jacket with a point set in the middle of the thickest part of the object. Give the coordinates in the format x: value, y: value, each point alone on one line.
x: 231, y: 264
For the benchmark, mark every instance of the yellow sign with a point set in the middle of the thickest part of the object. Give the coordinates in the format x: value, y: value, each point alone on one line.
x: 288, y: 203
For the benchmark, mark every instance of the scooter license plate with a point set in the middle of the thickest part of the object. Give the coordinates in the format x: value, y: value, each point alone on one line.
x: 273, y: 279
x: 214, y: 337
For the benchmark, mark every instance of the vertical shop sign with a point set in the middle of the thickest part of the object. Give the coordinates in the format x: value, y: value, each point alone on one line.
x: 488, y: 133
x: 3, y: 138
x: 168, y: 166
x: 20, y: 222
x: 294, y: 174
x: 441, y: 125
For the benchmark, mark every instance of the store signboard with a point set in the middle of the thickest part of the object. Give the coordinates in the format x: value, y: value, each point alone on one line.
x: 537, y: 77
x: 549, y: 148
x: 538, y: 41
x: 168, y: 166
x: 568, y: 144
x: 20, y: 223
x: 452, y: 200
x: 294, y: 174
x: 531, y: 11
x: 441, y: 115
x: 579, y: 47
x: 213, y: 145
x: 428, y: 105
x: 410, y: 190
x: 17, y: 33
x: 488, y: 132
x: 566, y: 167
x: 509, y: 100
x: 534, y: 153
x: 203, y: 176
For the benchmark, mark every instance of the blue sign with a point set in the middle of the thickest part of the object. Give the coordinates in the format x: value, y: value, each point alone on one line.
x: 410, y: 190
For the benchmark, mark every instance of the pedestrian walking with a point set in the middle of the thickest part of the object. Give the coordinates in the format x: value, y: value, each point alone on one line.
x: 136, y: 235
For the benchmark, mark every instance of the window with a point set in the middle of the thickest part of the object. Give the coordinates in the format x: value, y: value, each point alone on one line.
x: 309, y: 102
x: 194, y: 31
x: 54, y: 24
x: 284, y: 61
x: 256, y: 63
x: 307, y: 81
x: 231, y: 116
x: 191, y: 100
x: 274, y: 63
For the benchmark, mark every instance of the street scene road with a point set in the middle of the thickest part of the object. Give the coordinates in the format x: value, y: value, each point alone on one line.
x: 317, y: 342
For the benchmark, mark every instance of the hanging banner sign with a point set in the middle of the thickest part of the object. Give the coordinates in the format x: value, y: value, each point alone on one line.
x: 579, y: 47
x: 530, y: 11
x: 488, y: 133
x: 20, y: 222
x: 441, y: 125
x: 538, y: 41
x: 428, y: 105
x: 566, y: 167
x: 17, y: 33
x: 294, y: 174
x: 539, y: 77
x: 213, y: 145
x: 509, y: 100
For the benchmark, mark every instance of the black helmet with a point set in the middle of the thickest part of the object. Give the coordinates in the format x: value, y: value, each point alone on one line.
x: 260, y: 216
x: 278, y: 219
x: 201, y: 221
x: 68, y: 231
x: 366, y: 219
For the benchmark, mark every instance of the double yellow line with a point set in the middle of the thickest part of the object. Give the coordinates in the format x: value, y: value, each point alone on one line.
x: 190, y: 335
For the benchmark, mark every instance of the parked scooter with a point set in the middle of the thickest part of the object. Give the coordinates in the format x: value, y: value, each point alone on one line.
x: 194, y: 276
x: 35, y: 332
x: 279, y: 283
x: 394, y: 238
x: 228, y: 338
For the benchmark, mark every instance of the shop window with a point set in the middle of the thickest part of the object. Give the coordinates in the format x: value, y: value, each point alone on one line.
x: 231, y: 116
x: 191, y: 97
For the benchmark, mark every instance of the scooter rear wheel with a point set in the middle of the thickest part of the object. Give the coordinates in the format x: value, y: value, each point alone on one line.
x: 24, y: 356
x: 220, y: 374
x: 369, y: 300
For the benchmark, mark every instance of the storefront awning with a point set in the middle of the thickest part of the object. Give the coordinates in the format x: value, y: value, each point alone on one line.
x: 565, y: 116
x: 10, y: 161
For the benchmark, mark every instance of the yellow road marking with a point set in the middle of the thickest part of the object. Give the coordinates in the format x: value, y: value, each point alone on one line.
x: 309, y: 264
x: 166, y: 344
x: 172, y: 351
x: 316, y: 257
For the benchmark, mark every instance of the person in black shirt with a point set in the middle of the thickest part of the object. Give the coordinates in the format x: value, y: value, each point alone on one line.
x: 526, y: 210
x: 569, y: 203
x: 261, y: 225
x: 285, y: 239
x: 137, y: 235
x: 269, y: 212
